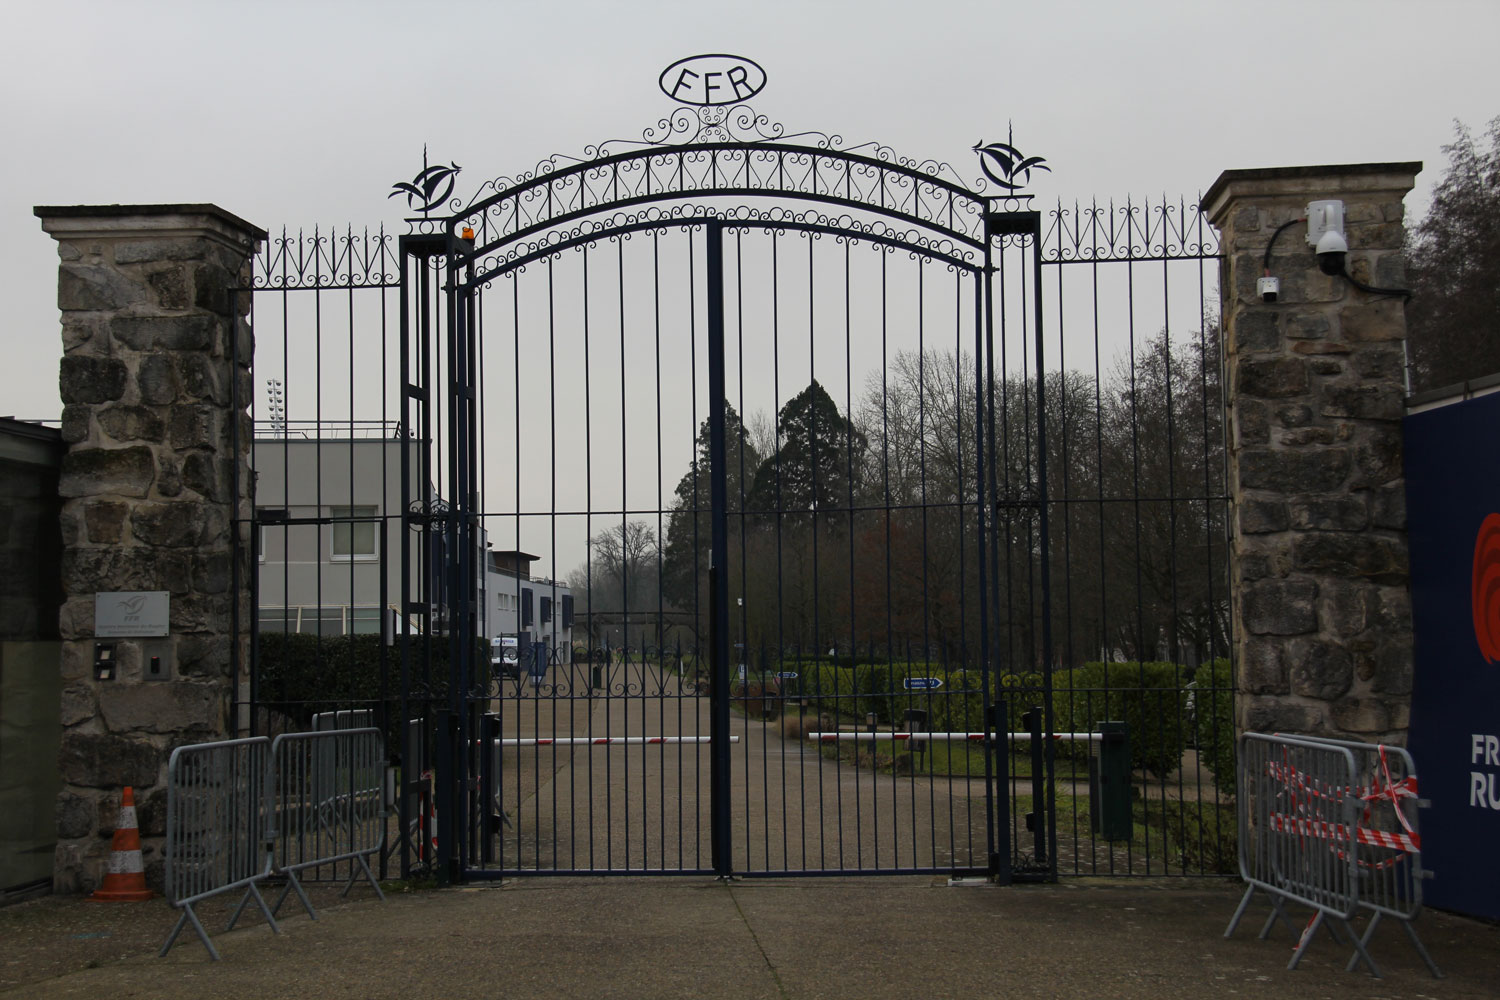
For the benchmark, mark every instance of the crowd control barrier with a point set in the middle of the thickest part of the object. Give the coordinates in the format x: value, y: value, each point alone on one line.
x: 1389, y: 838
x: 330, y: 806
x: 218, y: 796
x: 1329, y: 824
x: 241, y: 811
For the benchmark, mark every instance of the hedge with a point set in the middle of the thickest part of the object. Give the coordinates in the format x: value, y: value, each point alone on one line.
x: 299, y: 675
x: 856, y: 691
x: 1148, y: 697
x: 1213, y: 719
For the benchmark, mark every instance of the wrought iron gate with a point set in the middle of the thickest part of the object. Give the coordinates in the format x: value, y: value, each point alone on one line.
x: 685, y: 727
x: 785, y: 414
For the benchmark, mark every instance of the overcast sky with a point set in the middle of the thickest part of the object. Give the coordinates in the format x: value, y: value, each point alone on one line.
x: 296, y: 113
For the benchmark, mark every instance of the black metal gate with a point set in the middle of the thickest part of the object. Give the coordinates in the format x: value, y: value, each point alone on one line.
x: 780, y: 420
x: 749, y: 644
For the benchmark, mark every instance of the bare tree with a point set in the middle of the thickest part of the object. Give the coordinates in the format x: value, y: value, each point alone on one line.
x: 619, y: 585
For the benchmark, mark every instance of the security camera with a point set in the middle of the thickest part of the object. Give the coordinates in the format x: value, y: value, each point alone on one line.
x: 1325, y: 233
x: 1331, y: 250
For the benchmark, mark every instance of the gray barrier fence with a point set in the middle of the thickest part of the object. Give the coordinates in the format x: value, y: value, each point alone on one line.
x: 346, y: 718
x: 241, y: 811
x: 218, y: 796
x: 1320, y: 823
x: 330, y: 807
x: 1389, y: 837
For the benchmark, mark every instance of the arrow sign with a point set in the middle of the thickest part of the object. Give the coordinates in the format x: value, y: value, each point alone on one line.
x: 787, y: 675
x: 921, y: 683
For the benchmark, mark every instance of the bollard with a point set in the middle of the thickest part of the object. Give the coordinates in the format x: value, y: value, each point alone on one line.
x: 916, y: 722
x: 1109, y: 783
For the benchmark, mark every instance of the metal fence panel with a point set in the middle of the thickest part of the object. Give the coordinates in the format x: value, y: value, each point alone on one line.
x: 218, y: 799
x: 1298, y: 813
x: 1389, y: 837
x: 330, y: 805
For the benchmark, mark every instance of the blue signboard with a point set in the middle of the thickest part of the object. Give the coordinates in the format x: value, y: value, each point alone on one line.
x: 787, y: 675
x: 1453, y: 514
x: 921, y: 683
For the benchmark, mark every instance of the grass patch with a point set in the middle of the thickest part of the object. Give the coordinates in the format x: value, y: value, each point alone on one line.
x: 1168, y: 836
x: 942, y: 760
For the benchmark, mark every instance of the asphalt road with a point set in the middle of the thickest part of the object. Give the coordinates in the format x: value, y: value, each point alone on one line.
x: 870, y: 937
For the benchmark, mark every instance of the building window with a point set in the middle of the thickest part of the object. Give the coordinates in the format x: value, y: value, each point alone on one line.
x: 265, y: 519
x: 353, y: 539
x: 364, y: 621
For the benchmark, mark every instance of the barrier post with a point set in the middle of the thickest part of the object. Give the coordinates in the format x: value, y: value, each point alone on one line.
x: 1035, y: 820
x: 1109, y: 783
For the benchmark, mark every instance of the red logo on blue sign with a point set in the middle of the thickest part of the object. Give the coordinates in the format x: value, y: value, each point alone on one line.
x: 1487, y: 588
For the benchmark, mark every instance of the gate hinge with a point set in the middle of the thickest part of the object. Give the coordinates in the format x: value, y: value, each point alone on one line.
x: 416, y: 392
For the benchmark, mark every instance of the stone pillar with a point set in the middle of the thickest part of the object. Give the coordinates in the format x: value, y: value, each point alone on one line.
x: 148, y: 485
x: 1315, y: 395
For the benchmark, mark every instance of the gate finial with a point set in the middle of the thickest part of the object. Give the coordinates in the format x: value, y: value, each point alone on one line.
x: 430, y: 188
x: 1010, y: 161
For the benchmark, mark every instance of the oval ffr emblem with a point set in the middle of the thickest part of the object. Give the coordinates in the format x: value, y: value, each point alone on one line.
x: 710, y: 80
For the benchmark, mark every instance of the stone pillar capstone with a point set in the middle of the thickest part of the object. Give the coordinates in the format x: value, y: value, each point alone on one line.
x: 1315, y: 395
x: 154, y: 377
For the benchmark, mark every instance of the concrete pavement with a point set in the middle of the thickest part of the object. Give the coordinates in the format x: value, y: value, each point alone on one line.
x: 870, y: 937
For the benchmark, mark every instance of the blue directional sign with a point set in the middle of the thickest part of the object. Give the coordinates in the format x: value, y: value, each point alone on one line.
x: 921, y: 683
x: 787, y: 675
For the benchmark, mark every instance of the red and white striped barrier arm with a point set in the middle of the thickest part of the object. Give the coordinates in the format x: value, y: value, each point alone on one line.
x: 603, y: 741
x: 943, y: 737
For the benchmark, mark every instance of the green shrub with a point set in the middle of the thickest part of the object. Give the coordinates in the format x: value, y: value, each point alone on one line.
x: 1213, y: 718
x: 1148, y: 697
x: 1204, y: 837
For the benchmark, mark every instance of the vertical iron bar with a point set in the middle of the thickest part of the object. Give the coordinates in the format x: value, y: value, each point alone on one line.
x: 997, y: 827
x: 718, y: 565
x: 1046, y: 550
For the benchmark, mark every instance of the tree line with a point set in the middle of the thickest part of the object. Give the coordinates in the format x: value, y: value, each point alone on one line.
x: 859, y: 533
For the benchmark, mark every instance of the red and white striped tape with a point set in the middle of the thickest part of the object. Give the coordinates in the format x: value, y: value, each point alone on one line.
x: 1324, y: 830
x: 1387, y: 791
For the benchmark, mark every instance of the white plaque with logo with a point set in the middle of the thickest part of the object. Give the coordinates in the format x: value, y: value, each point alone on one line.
x: 131, y: 613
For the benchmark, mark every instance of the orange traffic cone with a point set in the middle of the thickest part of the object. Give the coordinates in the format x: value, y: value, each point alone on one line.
x: 125, y: 881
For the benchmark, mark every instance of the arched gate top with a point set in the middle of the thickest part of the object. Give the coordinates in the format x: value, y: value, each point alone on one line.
x: 718, y: 161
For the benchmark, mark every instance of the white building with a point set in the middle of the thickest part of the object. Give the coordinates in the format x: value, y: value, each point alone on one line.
x: 537, y: 611
x: 328, y: 502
